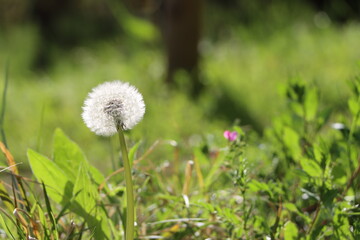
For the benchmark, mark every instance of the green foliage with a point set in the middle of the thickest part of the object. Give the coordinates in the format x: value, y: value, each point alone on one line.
x: 47, y: 171
x: 71, y: 183
x: 298, y: 181
x: 241, y: 72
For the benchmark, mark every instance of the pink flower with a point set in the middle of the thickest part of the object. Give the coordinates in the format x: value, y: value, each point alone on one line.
x: 231, y: 136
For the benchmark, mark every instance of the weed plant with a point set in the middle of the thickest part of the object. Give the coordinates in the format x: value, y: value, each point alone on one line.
x: 240, y: 69
x: 298, y: 181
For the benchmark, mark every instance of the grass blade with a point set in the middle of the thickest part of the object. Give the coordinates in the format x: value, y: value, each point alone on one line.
x: 10, y: 159
x: 19, y: 230
x: 50, y: 212
x: 3, y: 104
x: 38, y: 140
x: 5, y: 198
x: 6, y: 227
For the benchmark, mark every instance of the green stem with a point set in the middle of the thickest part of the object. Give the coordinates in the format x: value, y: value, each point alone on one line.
x: 314, y: 221
x: 129, y: 232
x: 244, y: 211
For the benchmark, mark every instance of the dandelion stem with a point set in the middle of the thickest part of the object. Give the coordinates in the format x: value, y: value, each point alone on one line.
x: 129, y: 231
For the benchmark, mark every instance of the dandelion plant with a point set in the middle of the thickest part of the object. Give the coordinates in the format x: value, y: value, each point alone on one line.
x: 111, y: 108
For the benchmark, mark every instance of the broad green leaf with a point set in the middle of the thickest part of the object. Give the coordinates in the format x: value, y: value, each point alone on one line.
x: 99, y: 226
x: 67, y: 154
x: 257, y: 186
x: 96, y: 175
x: 297, y: 108
x: 104, y: 225
x: 339, y: 172
x: 304, y: 177
x: 328, y: 196
x: 291, y: 140
x: 85, y: 204
x: 290, y: 231
x: 311, y: 104
x: 84, y: 190
x: 311, y: 167
x: 58, y: 185
x: 292, y: 208
x: 318, y: 154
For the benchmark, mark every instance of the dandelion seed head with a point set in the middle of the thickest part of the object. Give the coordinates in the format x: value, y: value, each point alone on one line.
x: 113, y: 103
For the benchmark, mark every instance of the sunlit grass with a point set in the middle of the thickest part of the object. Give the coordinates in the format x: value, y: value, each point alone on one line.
x: 192, y: 182
x: 241, y: 71
x: 251, y: 71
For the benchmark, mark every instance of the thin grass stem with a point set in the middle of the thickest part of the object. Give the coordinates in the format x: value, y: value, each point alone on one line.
x: 2, y: 114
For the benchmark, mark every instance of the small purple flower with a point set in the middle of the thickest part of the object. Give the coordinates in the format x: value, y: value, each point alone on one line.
x: 231, y: 136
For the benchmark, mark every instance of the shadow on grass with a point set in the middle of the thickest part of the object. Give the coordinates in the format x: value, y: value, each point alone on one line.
x: 230, y: 110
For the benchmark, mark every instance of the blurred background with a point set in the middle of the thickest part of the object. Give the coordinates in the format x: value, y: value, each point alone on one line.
x: 201, y: 65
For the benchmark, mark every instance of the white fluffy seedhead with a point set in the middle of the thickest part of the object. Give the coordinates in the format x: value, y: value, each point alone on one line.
x: 111, y: 104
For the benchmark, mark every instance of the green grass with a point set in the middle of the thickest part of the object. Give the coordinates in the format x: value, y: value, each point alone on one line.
x: 242, y: 75
x: 250, y: 71
x: 284, y: 181
x: 299, y: 181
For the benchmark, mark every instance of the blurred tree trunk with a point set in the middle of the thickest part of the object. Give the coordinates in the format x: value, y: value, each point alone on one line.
x: 180, y: 23
x: 45, y: 12
x: 66, y: 24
